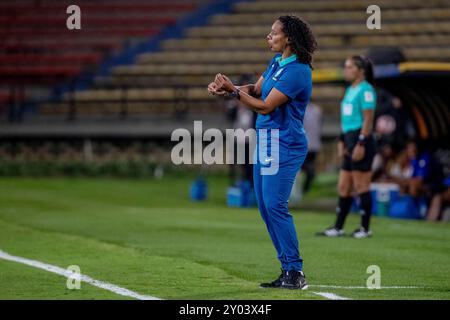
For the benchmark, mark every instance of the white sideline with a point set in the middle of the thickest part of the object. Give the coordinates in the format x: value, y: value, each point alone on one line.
x: 128, y: 293
x: 63, y: 272
x: 361, y: 287
x: 331, y: 296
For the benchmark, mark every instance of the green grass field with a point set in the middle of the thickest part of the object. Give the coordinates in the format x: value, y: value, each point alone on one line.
x: 147, y: 236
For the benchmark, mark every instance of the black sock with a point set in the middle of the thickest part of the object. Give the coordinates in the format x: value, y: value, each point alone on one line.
x: 344, y: 205
x: 366, y: 206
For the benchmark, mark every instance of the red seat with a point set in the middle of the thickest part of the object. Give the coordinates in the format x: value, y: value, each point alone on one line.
x: 47, y: 21
x: 23, y: 34
x: 99, y: 8
x: 37, y: 48
x: 49, y: 59
x: 58, y: 46
x: 4, y: 98
x: 38, y: 71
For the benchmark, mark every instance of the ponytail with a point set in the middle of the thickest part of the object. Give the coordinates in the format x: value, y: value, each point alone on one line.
x: 367, y: 65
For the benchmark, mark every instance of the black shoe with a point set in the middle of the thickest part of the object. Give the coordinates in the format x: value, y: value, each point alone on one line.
x: 295, y: 280
x: 276, y: 283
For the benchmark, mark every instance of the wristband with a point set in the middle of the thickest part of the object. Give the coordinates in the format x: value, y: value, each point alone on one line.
x: 362, y: 140
x: 236, y: 94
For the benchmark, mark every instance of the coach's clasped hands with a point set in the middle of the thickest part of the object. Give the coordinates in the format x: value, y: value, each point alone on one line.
x: 221, y: 86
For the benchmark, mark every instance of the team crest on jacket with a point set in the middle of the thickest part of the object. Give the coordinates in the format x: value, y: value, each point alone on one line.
x: 277, y: 74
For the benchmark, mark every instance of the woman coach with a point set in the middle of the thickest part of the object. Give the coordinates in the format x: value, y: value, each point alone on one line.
x: 280, y: 97
x: 356, y: 145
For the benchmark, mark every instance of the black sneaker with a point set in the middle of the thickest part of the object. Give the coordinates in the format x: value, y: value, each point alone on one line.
x: 294, y: 280
x: 331, y: 232
x: 276, y: 283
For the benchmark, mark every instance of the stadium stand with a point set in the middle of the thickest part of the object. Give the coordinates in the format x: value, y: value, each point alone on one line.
x: 170, y: 78
x: 37, y: 51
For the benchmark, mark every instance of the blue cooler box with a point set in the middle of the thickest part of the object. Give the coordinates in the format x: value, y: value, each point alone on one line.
x: 383, y: 195
x: 242, y: 195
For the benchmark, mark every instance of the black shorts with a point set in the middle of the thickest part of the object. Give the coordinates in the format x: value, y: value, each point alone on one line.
x: 350, y: 140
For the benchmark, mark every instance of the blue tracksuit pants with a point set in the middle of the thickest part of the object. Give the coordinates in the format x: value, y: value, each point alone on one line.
x: 272, y: 194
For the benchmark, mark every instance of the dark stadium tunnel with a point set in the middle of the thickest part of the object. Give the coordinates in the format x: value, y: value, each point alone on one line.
x: 426, y: 96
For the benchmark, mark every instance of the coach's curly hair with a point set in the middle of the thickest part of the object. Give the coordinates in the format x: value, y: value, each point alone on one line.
x: 299, y: 33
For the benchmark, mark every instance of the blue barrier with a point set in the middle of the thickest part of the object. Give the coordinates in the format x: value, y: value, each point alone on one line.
x: 407, y: 207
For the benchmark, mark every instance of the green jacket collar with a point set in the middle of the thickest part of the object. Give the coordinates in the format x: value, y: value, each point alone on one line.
x: 282, y: 62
